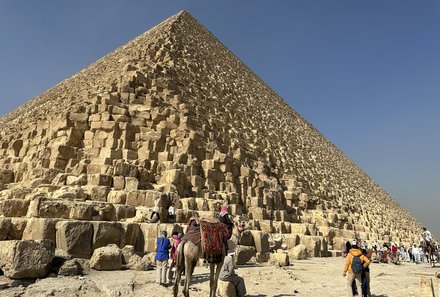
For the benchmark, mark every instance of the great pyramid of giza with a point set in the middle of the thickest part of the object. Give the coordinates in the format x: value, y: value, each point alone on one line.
x: 174, y: 115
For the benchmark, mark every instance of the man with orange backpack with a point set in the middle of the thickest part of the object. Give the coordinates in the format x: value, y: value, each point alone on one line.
x: 354, y: 265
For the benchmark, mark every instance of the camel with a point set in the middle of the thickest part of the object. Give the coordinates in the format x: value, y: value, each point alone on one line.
x: 189, y: 252
x: 431, y: 253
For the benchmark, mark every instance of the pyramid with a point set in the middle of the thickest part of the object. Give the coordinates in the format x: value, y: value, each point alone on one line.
x: 173, y: 115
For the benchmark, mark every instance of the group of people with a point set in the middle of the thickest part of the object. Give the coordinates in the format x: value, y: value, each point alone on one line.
x: 359, y: 256
x: 166, y: 255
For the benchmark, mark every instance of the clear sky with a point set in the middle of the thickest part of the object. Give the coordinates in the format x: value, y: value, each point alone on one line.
x: 364, y: 73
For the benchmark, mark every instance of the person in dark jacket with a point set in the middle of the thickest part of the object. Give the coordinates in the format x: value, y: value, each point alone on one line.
x: 162, y: 256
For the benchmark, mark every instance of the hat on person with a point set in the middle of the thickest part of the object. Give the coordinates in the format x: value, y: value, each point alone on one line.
x: 231, y: 254
x: 354, y: 242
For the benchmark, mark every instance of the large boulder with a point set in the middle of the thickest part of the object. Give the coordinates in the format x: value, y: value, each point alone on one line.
x: 26, y: 258
x: 138, y: 263
x: 244, y: 254
x: 261, y: 240
x: 299, y: 252
x: 70, y: 268
x: 107, y: 258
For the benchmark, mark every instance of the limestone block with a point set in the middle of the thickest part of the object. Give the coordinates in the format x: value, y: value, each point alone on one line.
x: 225, y: 289
x: 244, y: 254
x: 246, y: 238
x: 291, y: 240
x: 5, y: 226
x: 97, y: 193
x: 131, y: 231
x: 6, y: 176
x: 298, y: 252
x: 127, y: 252
x: 49, y: 208
x: 81, y: 211
x: 39, y: 229
x: 262, y: 257
x: 300, y: 229
x: 183, y: 216
x: 117, y: 197
x: 100, y: 180
x: 124, y: 212
x: 131, y: 184
x: 136, y: 198
x: 14, y: 207
x: 313, y: 244
x: 70, y: 268
x: 279, y: 259
x: 119, y: 182
x: 26, y: 258
x: 267, y: 226
x: 258, y: 213
x: 75, y: 238
x: 146, y: 241
x: 139, y: 263
x: 107, y: 258
x: 105, y: 233
x: 103, y: 211
x: 261, y: 240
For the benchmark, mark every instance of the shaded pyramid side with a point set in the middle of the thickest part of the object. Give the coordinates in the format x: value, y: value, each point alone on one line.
x: 175, y: 112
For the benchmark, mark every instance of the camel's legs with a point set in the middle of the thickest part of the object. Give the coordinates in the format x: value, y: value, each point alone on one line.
x: 189, y: 269
x: 179, y: 270
x: 214, y: 278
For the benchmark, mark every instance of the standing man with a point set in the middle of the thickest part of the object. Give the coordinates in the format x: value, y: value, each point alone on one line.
x: 162, y: 256
x: 354, y: 265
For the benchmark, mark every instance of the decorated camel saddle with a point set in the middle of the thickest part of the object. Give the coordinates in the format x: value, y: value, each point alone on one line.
x: 211, y: 234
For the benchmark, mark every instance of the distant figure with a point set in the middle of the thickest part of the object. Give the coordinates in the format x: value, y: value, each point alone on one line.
x: 227, y: 273
x: 162, y: 256
x: 354, y: 265
x: 172, y: 213
x: 156, y: 210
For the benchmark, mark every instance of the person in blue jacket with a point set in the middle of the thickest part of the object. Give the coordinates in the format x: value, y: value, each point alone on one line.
x: 162, y: 256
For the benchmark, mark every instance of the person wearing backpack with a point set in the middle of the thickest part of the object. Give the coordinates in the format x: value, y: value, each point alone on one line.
x: 354, y: 265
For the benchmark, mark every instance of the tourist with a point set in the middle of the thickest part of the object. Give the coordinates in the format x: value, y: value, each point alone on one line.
x: 422, y: 254
x: 227, y: 273
x: 177, y: 238
x: 156, y: 210
x: 416, y: 254
x: 162, y: 256
x: 172, y: 213
x: 366, y: 276
x: 354, y: 265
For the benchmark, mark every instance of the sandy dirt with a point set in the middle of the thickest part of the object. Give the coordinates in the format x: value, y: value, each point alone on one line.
x: 313, y: 277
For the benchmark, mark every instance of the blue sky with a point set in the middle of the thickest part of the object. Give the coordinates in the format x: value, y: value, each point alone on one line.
x: 364, y: 73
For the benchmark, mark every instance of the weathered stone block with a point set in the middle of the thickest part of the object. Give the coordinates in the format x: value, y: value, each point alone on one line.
x: 107, y: 258
x: 75, y: 238
x: 39, y: 229
x: 105, y: 233
x: 244, y: 254
x: 26, y: 258
x: 54, y: 209
x: 261, y: 240
x: 226, y: 289
x: 298, y: 252
x: 117, y: 197
x: 14, y: 207
x: 81, y: 211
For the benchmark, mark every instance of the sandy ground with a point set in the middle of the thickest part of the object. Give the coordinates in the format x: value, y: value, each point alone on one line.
x: 314, y: 277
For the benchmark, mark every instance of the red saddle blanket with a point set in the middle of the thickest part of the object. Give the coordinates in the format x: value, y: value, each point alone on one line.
x: 213, y: 236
